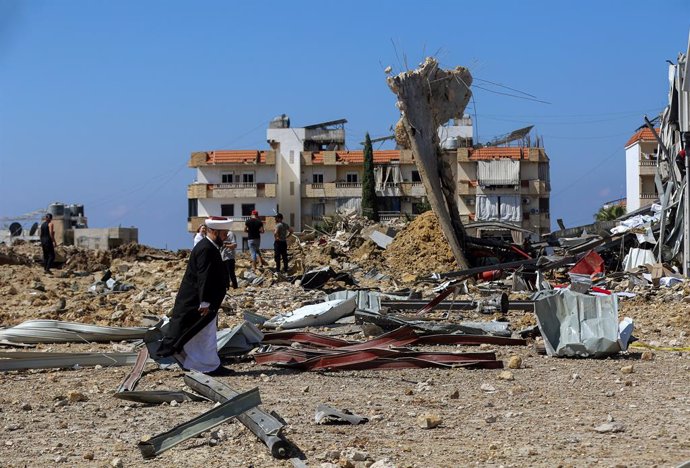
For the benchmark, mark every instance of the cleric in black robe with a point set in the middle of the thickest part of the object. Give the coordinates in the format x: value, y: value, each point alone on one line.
x: 191, y: 331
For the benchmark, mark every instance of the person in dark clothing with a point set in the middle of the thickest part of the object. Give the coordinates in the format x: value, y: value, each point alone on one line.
x: 281, y: 233
x: 48, y: 243
x: 228, y: 255
x: 254, y: 227
x: 191, y: 334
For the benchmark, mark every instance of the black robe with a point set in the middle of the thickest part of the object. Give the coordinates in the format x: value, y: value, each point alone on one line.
x: 205, y: 280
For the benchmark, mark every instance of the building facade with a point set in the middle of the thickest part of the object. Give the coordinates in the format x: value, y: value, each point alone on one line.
x: 640, y: 169
x: 308, y: 174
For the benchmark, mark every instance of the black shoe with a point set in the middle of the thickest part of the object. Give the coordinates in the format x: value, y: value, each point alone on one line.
x: 164, y: 353
x: 220, y: 371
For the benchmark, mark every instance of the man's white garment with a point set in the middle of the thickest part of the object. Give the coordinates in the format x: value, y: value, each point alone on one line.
x: 202, y: 350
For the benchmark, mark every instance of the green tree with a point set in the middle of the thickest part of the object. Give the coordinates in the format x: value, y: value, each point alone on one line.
x: 370, y: 207
x: 609, y: 213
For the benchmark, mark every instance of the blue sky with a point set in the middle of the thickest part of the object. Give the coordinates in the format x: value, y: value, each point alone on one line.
x: 102, y: 102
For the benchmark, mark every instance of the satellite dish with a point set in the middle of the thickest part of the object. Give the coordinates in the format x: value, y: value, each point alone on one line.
x: 15, y: 229
x: 33, y: 229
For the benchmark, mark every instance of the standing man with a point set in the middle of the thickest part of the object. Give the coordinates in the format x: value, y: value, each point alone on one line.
x: 281, y: 233
x: 191, y: 334
x: 254, y: 227
x: 228, y: 255
x: 48, y: 242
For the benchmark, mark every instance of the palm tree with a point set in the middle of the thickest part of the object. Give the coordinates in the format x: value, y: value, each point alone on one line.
x: 610, y: 212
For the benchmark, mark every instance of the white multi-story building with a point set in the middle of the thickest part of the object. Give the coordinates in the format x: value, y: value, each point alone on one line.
x: 308, y: 174
x: 640, y: 168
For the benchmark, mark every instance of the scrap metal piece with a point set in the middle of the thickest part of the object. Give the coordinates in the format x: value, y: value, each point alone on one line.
x: 204, y: 422
x: 574, y: 324
x: 56, y: 331
x: 265, y: 426
x: 156, y: 397
x: 289, y: 337
x: 328, y: 415
x: 36, y: 360
x: 133, y: 377
x: 469, y: 340
x: 323, y: 313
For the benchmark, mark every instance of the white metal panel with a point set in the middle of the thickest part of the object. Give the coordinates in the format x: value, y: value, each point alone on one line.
x: 498, y: 172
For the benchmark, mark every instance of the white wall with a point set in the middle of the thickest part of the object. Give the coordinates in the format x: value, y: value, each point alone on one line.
x: 288, y: 162
x: 632, y: 177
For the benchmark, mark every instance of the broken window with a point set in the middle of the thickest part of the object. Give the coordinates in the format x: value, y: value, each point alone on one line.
x: 388, y: 175
x: 499, y: 208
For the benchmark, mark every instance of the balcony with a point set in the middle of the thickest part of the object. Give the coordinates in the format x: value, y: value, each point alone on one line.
x: 647, y: 167
x: 197, y: 191
x: 467, y: 187
x: 242, y: 190
x: 647, y: 196
x: 348, y: 189
x: 537, y: 187
x: 237, y: 223
x: 413, y: 189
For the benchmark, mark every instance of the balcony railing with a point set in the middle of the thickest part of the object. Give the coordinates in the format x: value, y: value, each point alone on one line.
x: 348, y: 185
x: 235, y: 185
x: 648, y: 195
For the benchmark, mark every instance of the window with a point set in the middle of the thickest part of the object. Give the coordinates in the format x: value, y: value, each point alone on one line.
x: 318, y: 210
x: 292, y: 188
x: 292, y: 219
x: 247, y: 209
x: 543, y: 205
x: 227, y: 210
x: 226, y: 178
x: 292, y: 157
x: 248, y: 177
x: 351, y: 177
x: 416, y: 177
x: 192, y: 208
x: 317, y: 178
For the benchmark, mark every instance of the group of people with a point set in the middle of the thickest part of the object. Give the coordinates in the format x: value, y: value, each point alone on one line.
x: 191, y: 334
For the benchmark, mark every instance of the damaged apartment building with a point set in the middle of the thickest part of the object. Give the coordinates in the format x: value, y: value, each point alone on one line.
x: 308, y: 173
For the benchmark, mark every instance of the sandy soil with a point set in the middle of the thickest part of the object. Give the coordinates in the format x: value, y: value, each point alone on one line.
x: 541, y: 414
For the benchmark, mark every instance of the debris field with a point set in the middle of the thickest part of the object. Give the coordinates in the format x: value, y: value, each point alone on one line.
x: 631, y: 408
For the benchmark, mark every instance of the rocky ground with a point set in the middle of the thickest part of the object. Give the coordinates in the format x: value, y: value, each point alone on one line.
x: 631, y: 410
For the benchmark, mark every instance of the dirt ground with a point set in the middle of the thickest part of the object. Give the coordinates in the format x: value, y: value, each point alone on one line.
x: 541, y: 414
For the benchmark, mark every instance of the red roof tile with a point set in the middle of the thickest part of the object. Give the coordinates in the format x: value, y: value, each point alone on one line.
x: 644, y: 134
x: 357, y: 157
x: 236, y: 157
x: 496, y: 152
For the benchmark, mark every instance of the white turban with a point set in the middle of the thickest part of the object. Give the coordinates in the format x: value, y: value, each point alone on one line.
x: 218, y: 223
